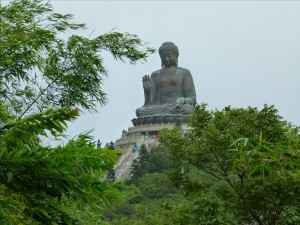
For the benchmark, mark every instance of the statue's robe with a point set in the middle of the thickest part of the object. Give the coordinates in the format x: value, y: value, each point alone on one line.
x: 166, y: 90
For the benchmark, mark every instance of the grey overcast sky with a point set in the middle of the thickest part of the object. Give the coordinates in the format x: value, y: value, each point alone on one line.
x: 240, y: 53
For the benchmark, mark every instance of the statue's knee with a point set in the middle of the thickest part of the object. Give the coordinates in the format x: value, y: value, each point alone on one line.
x: 139, y: 111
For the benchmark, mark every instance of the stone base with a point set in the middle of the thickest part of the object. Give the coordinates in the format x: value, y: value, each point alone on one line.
x: 134, y: 134
x: 159, y: 119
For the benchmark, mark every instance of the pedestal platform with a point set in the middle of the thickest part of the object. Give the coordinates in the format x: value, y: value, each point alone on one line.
x: 159, y: 119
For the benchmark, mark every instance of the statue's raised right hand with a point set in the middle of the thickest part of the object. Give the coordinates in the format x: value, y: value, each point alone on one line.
x: 147, y: 83
x: 146, y: 78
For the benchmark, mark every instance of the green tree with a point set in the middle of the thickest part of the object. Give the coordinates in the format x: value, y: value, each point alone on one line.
x: 45, y: 81
x: 39, y: 70
x: 159, y: 160
x: 156, y: 161
x: 139, y: 166
x: 111, y: 175
x: 253, y: 157
x: 110, y: 146
x: 143, y: 154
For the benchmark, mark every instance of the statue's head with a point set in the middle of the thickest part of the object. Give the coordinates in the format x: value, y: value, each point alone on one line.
x: 169, y: 53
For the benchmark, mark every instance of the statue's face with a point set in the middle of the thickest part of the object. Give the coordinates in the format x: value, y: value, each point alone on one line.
x: 168, y: 58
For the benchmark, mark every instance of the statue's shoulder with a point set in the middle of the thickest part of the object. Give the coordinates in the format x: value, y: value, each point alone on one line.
x: 183, y: 70
x: 155, y: 73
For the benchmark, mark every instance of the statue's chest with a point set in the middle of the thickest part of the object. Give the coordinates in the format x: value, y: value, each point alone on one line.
x: 168, y: 88
x: 166, y: 82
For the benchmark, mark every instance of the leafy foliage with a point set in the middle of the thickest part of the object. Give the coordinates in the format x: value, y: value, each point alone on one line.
x: 153, y: 199
x: 139, y: 165
x: 111, y: 175
x: 39, y: 70
x: 143, y: 154
x: 41, y: 176
x: 145, y: 195
x: 253, y: 153
x: 44, y: 82
x: 157, y: 161
x: 110, y: 146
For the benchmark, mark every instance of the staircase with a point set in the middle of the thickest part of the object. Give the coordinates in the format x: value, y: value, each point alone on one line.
x: 123, y: 167
x: 137, y: 136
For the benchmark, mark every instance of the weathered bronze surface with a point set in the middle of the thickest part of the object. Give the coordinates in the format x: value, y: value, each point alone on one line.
x: 169, y: 91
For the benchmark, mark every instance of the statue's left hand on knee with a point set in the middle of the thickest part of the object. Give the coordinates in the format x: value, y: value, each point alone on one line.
x: 180, y: 102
